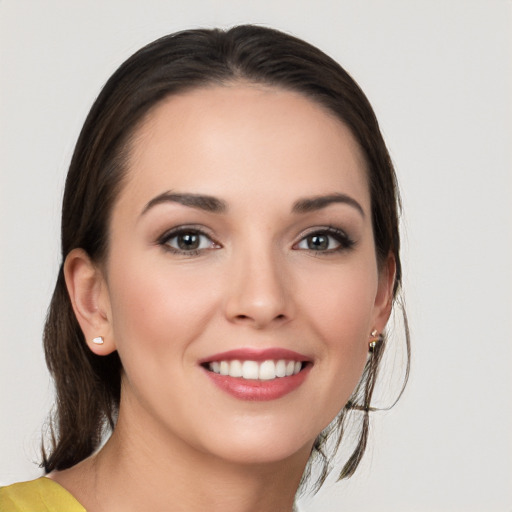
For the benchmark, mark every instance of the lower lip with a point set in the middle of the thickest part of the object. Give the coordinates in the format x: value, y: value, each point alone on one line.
x: 258, y: 390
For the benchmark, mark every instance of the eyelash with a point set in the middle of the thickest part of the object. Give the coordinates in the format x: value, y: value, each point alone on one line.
x: 344, y: 241
x: 186, y: 230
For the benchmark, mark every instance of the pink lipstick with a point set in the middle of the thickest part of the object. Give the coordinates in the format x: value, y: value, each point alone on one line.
x: 251, y: 374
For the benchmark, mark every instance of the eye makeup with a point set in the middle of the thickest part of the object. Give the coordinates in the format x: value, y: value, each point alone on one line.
x: 325, y: 240
x: 187, y: 240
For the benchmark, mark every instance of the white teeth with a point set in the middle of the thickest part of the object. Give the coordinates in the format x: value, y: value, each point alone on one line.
x: 254, y: 370
x: 224, y: 368
x: 250, y: 370
x: 281, y: 368
x: 267, y: 370
x: 290, y: 368
x: 235, y: 369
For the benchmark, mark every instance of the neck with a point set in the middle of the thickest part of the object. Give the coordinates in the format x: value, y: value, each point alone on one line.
x: 136, y: 471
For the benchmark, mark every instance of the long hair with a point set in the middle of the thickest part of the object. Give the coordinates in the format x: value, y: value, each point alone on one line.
x: 88, y: 386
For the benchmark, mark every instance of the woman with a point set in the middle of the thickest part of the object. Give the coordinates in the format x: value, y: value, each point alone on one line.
x: 230, y: 260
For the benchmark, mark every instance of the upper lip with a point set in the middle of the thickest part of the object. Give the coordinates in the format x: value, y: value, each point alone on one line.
x: 254, y: 354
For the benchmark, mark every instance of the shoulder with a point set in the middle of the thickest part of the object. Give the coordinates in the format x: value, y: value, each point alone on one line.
x: 41, y: 495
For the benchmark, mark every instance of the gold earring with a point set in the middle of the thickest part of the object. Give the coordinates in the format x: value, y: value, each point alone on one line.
x: 374, y: 339
x: 98, y: 340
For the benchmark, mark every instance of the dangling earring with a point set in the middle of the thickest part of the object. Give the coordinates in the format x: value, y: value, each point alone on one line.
x: 374, y: 339
x: 98, y: 340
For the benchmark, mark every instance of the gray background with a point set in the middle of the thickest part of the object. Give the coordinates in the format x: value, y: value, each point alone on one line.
x: 439, y: 74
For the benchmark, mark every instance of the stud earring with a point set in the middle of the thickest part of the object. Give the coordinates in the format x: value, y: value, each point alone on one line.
x: 98, y: 340
x: 374, y: 339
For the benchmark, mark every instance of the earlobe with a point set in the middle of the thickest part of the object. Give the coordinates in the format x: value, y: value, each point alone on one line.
x: 384, y: 298
x: 89, y: 297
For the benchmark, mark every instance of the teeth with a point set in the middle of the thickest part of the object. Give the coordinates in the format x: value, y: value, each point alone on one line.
x: 267, y: 370
x: 250, y: 370
x: 235, y: 369
x: 281, y: 368
x: 254, y: 370
x: 224, y: 368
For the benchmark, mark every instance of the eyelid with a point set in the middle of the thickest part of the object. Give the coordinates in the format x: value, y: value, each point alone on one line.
x: 346, y: 242
x: 163, y: 239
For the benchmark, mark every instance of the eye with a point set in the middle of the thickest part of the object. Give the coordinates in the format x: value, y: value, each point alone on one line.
x: 187, y: 241
x: 325, y: 240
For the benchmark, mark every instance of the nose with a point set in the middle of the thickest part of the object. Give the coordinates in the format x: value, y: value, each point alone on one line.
x: 259, y: 293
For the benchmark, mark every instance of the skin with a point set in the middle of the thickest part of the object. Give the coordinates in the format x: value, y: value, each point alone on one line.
x: 181, y: 443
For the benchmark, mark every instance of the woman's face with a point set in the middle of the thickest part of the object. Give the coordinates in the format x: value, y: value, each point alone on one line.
x: 241, y: 244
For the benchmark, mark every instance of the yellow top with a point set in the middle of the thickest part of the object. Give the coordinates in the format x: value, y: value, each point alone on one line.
x: 41, y: 495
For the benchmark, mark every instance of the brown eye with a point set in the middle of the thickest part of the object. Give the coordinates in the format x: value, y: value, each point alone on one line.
x: 187, y: 241
x: 328, y: 240
x: 318, y: 242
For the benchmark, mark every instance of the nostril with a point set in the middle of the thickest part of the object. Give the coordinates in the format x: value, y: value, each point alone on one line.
x: 246, y: 318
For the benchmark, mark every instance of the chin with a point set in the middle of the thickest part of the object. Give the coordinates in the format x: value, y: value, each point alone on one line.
x: 265, y: 453
x: 263, y: 442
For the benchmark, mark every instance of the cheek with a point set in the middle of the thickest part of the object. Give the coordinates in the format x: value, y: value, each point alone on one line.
x: 157, y: 316
x: 341, y: 310
x: 158, y: 309
x: 341, y: 303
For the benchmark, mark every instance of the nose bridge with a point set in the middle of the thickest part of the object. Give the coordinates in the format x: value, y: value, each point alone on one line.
x: 259, y: 282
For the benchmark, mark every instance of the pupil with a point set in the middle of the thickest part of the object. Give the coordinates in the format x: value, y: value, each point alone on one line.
x: 188, y: 241
x: 318, y: 242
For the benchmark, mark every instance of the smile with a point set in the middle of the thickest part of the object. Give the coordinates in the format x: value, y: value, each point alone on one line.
x: 256, y: 370
x: 257, y: 375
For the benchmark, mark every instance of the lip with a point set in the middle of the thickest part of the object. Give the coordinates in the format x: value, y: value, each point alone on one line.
x: 257, y: 390
x: 253, y: 354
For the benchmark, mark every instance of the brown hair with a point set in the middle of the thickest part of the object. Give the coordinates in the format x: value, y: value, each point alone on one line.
x: 88, y: 386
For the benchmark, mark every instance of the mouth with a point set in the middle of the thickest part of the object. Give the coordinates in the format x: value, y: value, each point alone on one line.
x: 250, y: 374
x: 256, y: 370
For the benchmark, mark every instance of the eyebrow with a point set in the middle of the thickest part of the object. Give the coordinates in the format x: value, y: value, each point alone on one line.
x: 309, y: 204
x: 207, y: 203
x: 214, y: 205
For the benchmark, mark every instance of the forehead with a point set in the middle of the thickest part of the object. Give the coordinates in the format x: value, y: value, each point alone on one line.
x: 243, y: 140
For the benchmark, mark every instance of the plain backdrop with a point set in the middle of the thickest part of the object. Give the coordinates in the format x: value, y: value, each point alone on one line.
x: 439, y: 74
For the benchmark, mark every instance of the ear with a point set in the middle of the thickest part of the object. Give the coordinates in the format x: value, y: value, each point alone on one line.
x: 88, y: 292
x: 384, y: 297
